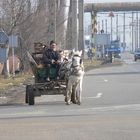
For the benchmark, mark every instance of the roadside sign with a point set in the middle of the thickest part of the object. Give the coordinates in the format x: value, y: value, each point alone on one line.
x: 13, y: 41
x: 3, y: 38
x: 3, y: 55
x: 102, y: 39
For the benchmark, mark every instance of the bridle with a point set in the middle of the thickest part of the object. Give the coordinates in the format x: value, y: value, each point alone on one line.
x: 76, y: 68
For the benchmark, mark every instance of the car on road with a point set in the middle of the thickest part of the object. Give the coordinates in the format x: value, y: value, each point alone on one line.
x: 137, y: 54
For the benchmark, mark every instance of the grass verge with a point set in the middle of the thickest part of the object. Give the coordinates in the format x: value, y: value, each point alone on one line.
x: 6, y: 83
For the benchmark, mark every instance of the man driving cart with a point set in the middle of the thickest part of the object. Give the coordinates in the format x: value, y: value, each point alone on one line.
x: 51, y: 60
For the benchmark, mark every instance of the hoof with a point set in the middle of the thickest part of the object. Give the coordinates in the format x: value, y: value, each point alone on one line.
x: 65, y: 99
x: 74, y: 102
x: 79, y: 103
x: 68, y: 102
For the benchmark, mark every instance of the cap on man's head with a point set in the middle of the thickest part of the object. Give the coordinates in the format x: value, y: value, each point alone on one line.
x: 51, y: 42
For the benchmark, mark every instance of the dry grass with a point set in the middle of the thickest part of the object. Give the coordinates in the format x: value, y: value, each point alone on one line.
x: 9, y: 82
x: 91, y: 64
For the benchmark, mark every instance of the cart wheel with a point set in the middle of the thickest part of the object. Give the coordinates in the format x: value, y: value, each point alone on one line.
x: 31, y: 100
x: 27, y: 94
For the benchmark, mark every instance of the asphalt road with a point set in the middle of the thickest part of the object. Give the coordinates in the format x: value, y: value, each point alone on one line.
x: 110, y: 110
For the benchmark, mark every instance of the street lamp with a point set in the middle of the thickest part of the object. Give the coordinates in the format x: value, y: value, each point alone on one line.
x: 111, y: 15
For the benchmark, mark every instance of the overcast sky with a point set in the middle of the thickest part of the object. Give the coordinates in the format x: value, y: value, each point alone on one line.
x: 101, y: 1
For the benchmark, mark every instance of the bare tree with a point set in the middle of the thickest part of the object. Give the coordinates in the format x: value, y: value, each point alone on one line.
x: 69, y: 28
x: 30, y: 20
x: 61, y: 22
x: 14, y: 12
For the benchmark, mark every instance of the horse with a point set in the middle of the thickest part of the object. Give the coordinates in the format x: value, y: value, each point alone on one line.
x: 75, y: 79
x: 65, y: 69
x: 65, y: 64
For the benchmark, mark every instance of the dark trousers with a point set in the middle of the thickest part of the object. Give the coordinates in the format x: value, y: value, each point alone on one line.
x: 49, y: 66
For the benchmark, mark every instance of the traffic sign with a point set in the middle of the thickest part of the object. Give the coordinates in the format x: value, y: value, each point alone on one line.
x: 3, y: 38
x: 3, y: 55
x: 13, y: 41
x: 102, y: 39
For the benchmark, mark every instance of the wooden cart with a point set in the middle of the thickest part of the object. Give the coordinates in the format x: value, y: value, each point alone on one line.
x: 40, y: 85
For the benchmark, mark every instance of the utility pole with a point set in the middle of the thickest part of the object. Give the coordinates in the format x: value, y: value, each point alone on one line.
x: 102, y: 25
x: 137, y: 28
x: 111, y: 28
x: 106, y: 26
x: 51, y: 35
x: 117, y: 36
x: 69, y: 28
x: 74, y: 25
x: 132, y: 32
x: 81, y: 26
x: 111, y: 15
x: 139, y: 33
x: 124, y: 44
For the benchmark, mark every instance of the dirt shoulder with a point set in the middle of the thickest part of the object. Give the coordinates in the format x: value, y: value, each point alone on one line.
x: 12, y: 90
x: 101, y: 64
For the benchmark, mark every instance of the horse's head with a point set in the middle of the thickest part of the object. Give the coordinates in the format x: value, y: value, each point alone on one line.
x: 77, y: 53
x: 75, y: 63
x: 76, y: 58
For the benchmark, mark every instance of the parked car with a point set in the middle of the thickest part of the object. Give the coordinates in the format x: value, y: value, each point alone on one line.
x: 137, y: 54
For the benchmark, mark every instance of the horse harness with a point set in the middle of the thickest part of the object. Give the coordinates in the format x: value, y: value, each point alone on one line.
x: 74, y: 69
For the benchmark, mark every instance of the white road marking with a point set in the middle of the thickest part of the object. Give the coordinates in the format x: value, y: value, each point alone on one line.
x: 22, y: 114
x: 95, y: 97
x: 3, y: 97
x: 99, y: 95
x: 109, y: 108
x: 105, y: 80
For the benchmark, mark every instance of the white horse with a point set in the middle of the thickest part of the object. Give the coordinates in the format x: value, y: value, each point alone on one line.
x: 65, y: 65
x: 75, y: 79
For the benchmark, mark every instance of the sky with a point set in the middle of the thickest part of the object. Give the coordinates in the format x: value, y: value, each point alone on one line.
x: 101, y: 17
x: 100, y: 1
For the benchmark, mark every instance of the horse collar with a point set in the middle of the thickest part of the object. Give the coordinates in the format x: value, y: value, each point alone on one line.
x: 76, y: 55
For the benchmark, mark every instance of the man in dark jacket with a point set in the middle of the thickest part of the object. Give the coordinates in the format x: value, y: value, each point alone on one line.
x: 51, y: 58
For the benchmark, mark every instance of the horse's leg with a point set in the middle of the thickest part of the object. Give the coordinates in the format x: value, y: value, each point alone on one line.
x: 79, y: 91
x: 69, y: 92
x: 73, y: 96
